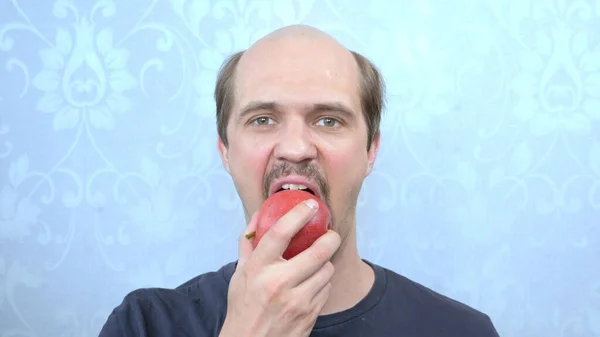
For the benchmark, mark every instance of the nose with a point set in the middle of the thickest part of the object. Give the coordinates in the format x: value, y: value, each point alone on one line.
x: 295, y: 143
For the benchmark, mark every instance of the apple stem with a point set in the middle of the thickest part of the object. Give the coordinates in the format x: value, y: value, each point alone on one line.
x: 250, y: 235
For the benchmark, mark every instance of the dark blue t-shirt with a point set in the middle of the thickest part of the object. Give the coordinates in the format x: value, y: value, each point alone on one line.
x: 395, y: 306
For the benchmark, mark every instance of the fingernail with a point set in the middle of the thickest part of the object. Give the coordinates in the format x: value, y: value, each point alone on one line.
x: 311, y: 203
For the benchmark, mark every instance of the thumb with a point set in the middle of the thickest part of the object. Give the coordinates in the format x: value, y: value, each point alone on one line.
x: 245, y: 247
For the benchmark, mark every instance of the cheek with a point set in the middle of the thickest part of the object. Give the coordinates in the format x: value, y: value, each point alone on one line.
x: 247, y: 163
x: 345, y: 171
x: 347, y: 165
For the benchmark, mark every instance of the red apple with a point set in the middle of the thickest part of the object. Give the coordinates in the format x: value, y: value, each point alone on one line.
x: 282, y: 202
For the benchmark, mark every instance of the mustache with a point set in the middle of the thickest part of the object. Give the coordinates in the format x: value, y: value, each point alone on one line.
x: 307, y: 170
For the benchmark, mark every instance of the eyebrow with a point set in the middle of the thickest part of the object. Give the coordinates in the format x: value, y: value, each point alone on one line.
x: 274, y: 106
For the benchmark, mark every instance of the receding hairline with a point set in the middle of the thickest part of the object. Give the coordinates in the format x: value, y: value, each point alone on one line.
x: 295, y: 34
x: 367, y: 74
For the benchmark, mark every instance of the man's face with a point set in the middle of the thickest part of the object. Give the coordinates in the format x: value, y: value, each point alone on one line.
x: 297, y: 120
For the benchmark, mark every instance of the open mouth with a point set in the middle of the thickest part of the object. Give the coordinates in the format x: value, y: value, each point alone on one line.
x: 300, y: 187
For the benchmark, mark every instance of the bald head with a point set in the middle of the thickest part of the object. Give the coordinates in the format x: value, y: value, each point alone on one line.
x: 298, y: 32
x: 294, y: 65
x: 297, y: 45
x: 298, y: 65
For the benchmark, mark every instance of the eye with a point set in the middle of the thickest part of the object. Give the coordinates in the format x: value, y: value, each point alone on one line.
x: 262, y: 121
x: 328, y: 122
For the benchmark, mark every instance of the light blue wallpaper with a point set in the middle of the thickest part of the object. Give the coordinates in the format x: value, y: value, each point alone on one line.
x: 487, y: 187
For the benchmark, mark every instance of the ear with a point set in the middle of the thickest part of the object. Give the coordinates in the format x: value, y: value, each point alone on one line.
x: 372, y: 154
x: 224, y: 152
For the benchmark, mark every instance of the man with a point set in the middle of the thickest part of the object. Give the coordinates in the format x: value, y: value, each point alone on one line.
x: 297, y: 108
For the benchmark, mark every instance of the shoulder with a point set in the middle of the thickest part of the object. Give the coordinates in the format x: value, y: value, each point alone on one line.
x: 447, y: 313
x: 204, y: 295
x: 208, y: 284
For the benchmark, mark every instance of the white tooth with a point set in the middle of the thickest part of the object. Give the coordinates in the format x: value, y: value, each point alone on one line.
x: 293, y: 186
x: 286, y: 186
x: 302, y: 187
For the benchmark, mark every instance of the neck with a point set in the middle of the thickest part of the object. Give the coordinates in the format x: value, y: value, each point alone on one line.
x: 352, y: 280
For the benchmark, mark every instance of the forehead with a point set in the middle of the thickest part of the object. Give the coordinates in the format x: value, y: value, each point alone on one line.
x: 297, y: 72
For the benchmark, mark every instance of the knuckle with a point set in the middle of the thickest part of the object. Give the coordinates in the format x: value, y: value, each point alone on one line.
x: 273, y: 289
x: 295, y: 306
x: 321, y: 254
x: 249, y: 270
x: 337, y: 239
x: 277, y: 232
x: 332, y: 239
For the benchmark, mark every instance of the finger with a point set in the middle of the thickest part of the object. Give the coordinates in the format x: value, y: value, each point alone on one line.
x: 310, y: 287
x: 276, y: 240
x: 321, y: 298
x: 311, y: 260
x: 245, y: 247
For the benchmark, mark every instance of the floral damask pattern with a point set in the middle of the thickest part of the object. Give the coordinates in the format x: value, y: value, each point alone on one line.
x: 487, y: 187
x: 100, y: 94
x: 559, y: 86
x: 17, y: 212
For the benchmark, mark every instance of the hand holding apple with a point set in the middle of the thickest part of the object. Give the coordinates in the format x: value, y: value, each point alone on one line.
x: 270, y: 295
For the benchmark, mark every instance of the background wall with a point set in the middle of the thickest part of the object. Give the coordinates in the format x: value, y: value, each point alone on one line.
x: 487, y: 187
